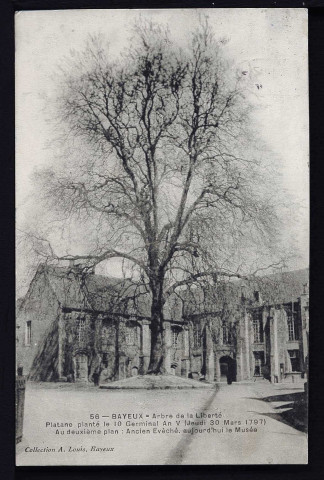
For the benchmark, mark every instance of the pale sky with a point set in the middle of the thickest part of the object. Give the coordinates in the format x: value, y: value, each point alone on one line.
x: 271, y: 44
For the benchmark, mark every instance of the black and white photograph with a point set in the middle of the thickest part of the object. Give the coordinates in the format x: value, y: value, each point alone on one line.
x: 162, y: 237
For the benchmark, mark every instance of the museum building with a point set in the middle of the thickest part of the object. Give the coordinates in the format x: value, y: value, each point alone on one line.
x: 85, y: 328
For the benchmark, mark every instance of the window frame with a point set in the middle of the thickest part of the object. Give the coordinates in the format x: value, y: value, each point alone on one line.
x: 197, y: 335
x: 81, y: 330
x: 257, y: 326
x: 130, y: 335
x: 292, y: 326
x: 175, y: 335
x: 226, y: 334
x: 296, y: 359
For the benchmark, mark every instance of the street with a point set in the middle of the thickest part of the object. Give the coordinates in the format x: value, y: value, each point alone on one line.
x: 229, y: 424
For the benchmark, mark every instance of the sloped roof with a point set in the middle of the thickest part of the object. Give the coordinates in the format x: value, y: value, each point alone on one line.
x: 281, y: 288
x: 76, y: 290
x: 274, y: 289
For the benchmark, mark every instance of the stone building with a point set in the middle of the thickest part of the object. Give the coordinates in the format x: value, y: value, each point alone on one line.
x: 72, y: 327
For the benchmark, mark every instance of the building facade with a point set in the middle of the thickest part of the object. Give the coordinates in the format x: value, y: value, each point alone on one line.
x: 87, y: 329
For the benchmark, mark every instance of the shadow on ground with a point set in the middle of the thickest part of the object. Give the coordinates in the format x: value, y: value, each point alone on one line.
x: 295, y: 413
x: 181, y: 449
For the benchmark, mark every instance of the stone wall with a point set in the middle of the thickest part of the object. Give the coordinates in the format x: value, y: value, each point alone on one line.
x: 41, y: 308
x: 114, y: 347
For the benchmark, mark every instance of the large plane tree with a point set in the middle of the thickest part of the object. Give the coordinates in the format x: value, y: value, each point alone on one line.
x: 165, y: 161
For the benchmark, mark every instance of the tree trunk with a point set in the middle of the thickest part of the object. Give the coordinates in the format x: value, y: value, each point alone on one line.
x: 157, y: 347
x: 156, y: 357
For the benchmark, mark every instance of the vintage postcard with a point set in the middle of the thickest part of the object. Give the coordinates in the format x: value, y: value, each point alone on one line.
x: 162, y: 237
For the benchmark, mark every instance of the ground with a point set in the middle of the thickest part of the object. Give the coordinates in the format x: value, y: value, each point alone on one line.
x: 153, y: 381
x: 242, y: 423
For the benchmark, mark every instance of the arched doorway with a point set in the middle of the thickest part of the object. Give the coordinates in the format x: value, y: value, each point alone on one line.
x: 227, y: 369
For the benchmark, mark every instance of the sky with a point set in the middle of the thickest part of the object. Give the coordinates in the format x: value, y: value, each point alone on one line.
x: 269, y: 44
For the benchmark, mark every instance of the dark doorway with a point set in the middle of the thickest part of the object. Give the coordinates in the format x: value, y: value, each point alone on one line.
x: 227, y: 369
x: 223, y: 371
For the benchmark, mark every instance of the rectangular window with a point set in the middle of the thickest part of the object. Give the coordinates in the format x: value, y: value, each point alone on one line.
x: 28, y: 333
x: 294, y: 360
x: 257, y: 330
x: 197, y: 336
x: 292, y: 326
x: 81, y: 330
x: 227, y: 337
x: 130, y: 335
x: 175, y: 335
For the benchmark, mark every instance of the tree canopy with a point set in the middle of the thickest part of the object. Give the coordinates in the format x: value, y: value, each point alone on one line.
x: 162, y: 161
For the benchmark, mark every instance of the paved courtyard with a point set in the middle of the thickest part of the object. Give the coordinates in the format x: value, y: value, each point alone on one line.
x: 68, y: 424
